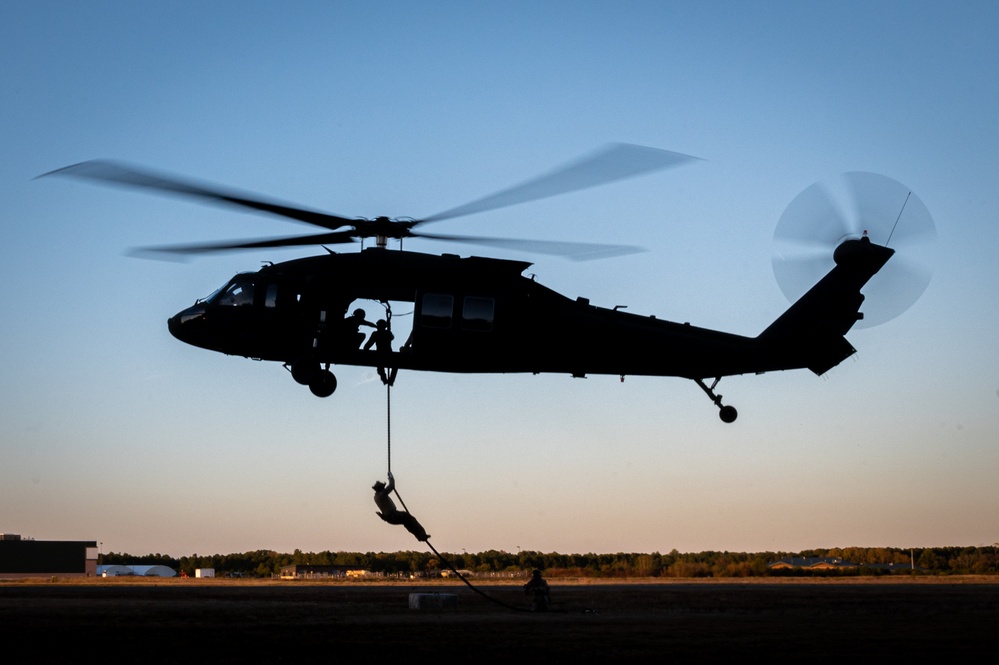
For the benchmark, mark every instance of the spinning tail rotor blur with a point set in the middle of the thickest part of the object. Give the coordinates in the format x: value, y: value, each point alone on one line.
x: 857, y: 204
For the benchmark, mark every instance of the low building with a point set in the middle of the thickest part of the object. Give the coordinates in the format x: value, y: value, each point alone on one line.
x: 833, y: 563
x: 304, y: 571
x: 810, y: 563
x: 46, y: 558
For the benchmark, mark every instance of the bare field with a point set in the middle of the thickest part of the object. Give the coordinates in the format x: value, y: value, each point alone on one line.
x: 268, y: 620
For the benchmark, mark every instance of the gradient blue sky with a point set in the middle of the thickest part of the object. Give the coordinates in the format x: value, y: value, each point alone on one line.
x: 114, y: 431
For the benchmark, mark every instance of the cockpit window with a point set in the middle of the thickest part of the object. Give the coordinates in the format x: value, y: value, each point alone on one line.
x: 210, y: 297
x: 237, y: 294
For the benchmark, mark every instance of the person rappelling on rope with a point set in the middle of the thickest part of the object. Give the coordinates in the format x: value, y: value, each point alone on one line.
x: 381, y: 339
x: 391, y: 514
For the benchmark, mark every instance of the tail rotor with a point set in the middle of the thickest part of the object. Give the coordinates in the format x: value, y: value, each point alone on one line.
x: 825, y: 214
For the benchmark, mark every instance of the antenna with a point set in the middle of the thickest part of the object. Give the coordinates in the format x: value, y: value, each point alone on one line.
x: 898, y: 218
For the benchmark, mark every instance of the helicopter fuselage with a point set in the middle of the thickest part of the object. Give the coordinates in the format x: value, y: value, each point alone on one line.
x: 482, y: 315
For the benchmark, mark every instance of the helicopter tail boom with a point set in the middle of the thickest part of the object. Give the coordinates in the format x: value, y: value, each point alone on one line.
x: 810, y: 333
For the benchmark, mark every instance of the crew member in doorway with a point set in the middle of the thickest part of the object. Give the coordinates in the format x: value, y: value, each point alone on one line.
x: 391, y: 514
x: 352, y: 325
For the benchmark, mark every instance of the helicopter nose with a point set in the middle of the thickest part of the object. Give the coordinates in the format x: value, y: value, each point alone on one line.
x: 182, y: 324
x: 173, y: 324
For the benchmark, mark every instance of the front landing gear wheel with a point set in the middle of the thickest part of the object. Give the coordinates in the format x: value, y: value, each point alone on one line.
x: 728, y: 414
x: 304, y: 370
x: 323, y: 384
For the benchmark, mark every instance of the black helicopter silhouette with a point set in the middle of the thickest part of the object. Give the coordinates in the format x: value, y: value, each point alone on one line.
x: 482, y: 315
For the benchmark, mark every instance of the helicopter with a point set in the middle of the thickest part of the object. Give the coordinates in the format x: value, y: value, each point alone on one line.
x: 483, y: 315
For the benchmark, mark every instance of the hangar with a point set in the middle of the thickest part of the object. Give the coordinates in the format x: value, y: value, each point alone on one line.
x: 46, y: 558
x: 118, y: 570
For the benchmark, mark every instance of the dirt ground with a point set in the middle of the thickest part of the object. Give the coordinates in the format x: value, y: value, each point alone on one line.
x: 173, y: 621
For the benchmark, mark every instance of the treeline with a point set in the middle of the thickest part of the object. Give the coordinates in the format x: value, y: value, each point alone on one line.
x: 265, y: 563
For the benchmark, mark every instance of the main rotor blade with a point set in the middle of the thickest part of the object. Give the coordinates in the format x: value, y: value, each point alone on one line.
x: 616, y: 162
x: 208, y: 248
x: 129, y: 176
x: 576, y: 251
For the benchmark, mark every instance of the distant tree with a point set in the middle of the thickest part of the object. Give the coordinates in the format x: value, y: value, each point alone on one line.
x: 647, y: 565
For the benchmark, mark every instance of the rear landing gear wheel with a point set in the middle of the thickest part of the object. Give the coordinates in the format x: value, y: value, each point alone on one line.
x: 728, y: 414
x: 323, y: 383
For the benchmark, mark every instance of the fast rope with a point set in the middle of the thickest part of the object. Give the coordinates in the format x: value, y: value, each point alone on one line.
x: 444, y: 559
x: 388, y: 422
x: 388, y: 393
x: 454, y: 570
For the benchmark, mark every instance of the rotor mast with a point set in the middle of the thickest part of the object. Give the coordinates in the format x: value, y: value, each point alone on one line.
x: 383, y: 228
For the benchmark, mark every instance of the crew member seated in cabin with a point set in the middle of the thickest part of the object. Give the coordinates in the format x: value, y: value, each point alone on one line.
x: 393, y: 515
x: 381, y: 339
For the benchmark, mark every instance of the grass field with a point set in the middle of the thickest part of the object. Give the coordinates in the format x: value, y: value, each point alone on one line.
x: 285, y: 621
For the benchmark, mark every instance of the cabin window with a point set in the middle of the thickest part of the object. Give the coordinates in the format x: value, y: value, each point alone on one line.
x: 437, y: 310
x: 477, y: 313
x: 270, y: 298
x: 237, y: 294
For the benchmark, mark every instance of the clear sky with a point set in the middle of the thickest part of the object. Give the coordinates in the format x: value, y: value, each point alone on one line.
x: 112, y: 430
